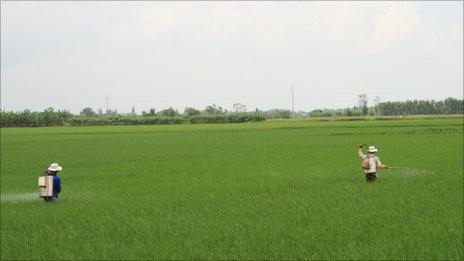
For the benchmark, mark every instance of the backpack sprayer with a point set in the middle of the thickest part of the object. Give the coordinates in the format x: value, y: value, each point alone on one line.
x: 46, y: 186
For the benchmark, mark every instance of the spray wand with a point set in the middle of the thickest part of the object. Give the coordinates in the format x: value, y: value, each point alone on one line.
x: 408, y: 169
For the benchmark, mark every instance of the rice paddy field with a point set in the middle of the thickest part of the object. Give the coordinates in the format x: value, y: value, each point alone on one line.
x: 271, y: 190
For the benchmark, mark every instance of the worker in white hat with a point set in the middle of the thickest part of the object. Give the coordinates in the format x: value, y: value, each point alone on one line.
x: 52, y: 170
x: 371, y: 163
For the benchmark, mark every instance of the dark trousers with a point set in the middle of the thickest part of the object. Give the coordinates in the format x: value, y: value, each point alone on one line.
x: 52, y: 198
x: 371, y: 177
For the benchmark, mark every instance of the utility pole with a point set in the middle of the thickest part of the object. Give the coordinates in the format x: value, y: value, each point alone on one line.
x: 107, y: 103
x: 293, y: 103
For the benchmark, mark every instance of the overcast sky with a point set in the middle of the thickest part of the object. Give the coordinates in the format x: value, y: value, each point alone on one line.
x: 69, y: 55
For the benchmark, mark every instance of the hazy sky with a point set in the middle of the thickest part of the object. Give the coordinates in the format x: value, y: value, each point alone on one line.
x: 157, y: 54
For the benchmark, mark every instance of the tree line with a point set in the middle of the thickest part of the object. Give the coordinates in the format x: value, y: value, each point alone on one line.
x: 448, y: 106
x: 395, y: 108
x: 160, y: 120
x: 215, y: 114
x: 28, y: 118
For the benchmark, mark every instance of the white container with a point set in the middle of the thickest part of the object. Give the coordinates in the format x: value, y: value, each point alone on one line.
x: 46, y: 186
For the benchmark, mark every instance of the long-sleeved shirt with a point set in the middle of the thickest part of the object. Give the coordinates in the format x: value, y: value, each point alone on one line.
x: 56, y: 184
x: 374, y: 162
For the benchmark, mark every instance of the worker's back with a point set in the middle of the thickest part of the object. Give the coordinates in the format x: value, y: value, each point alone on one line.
x: 50, y: 183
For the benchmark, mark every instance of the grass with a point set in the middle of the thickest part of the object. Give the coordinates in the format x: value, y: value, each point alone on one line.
x: 271, y: 190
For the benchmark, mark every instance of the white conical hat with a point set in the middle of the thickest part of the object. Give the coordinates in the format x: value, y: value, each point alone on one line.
x: 55, y: 167
x: 372, y: 149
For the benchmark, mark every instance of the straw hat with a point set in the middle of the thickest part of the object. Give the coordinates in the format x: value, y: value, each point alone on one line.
x: 372, y: 149
x: 55, y: 167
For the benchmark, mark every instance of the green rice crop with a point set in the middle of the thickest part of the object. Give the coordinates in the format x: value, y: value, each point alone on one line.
x: 268, y: 190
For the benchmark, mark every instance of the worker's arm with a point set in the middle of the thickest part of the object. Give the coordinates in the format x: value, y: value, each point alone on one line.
x: 361, y: 155
x: 380, y: 165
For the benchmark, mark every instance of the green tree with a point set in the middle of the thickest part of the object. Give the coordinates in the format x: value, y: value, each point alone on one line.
x: 49, y: 117
x: 169, y: 112
x: 189, y: 111
x: 87, y: 111
x: 362, y: 102
x: 213, y: 110
x: 238, y: 107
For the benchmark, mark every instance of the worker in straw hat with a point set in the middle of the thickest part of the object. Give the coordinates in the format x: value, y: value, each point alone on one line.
x: 371, y: 163
x: 52, y: 170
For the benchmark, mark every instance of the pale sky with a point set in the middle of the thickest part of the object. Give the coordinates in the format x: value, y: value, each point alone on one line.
x: 69, y: 55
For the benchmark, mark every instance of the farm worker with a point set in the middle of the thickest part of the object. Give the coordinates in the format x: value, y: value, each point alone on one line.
x: 370, y: 163
x: 53, y: 171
